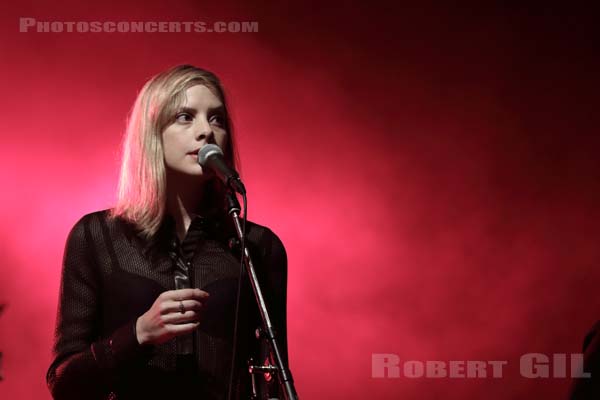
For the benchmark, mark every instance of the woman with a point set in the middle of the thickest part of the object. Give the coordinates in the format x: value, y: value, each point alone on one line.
x: 149, y: 288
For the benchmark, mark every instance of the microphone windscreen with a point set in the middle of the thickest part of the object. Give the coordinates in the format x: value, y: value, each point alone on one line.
x: 207, y: 151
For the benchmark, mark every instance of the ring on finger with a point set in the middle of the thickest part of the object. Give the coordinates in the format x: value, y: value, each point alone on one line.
x: 181, y: 307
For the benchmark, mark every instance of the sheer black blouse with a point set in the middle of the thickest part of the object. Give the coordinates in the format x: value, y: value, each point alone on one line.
x: 111, y: 276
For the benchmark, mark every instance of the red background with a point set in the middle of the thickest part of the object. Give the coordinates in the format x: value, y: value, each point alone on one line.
x: 432, y: 171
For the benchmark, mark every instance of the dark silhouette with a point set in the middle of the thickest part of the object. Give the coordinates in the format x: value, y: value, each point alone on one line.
x: 589, y: 388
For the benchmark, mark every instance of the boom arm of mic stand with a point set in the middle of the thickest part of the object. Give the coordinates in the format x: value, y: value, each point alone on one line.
x: 285, y: 376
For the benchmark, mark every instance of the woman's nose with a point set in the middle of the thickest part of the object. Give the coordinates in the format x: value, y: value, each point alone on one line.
x: 205, y: 132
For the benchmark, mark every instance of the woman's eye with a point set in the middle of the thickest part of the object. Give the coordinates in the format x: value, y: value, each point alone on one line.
x: 217, y: 120
x: 183, y: 117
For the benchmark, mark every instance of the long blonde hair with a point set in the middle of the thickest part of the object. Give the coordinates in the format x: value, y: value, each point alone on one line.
x: 141, y: 197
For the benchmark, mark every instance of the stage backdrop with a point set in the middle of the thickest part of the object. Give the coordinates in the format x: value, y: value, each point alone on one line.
x: 432, y: 171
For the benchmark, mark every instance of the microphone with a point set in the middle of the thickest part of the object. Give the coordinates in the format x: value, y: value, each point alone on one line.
x: 211, y: 156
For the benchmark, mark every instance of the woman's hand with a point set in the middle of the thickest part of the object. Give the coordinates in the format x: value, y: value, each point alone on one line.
x: 165, y: 319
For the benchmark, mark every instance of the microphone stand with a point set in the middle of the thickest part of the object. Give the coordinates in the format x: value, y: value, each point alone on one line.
x: 286, y: 381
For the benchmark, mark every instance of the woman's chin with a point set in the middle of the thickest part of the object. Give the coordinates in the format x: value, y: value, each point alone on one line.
x: 196, y: 173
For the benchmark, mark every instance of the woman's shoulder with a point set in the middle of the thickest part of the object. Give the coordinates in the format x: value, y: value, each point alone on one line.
x: 94, y: 217
x: 261, y: 232
x: 269, y: 243
x: 92, y: 224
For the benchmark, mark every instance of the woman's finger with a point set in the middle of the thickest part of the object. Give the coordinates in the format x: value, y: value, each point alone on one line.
x: 178, y: 318
x: 180, y: 329
x: 185, y: 294
x: 170, y: 307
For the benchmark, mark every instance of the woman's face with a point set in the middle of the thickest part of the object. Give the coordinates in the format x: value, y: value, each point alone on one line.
x: 199, y: 121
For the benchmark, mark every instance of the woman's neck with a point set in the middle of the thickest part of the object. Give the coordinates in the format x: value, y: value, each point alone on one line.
x: 185, y: 197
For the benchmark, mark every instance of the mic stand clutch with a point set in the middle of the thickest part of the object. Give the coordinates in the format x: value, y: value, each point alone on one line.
x: 286, y: 381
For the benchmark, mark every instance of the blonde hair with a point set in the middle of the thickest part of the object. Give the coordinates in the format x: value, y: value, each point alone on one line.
x: 141, y: 197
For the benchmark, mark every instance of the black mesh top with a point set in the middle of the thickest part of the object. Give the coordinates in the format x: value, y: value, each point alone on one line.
x: 111, y: 276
